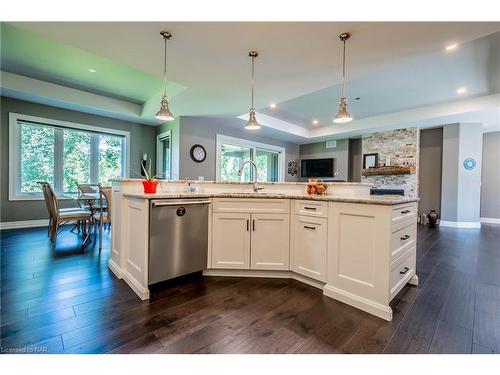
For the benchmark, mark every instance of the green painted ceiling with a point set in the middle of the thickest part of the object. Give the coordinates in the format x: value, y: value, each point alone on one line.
x: 36, y: 56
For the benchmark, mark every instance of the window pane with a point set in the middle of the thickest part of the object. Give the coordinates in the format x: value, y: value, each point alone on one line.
x: 110, y: 158
x: 37, y: 156
x: 232, y: 157
x: 267, y: 165
x: 76, y: 164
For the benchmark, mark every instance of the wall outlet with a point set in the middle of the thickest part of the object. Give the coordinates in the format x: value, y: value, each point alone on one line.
x: 331, y: 144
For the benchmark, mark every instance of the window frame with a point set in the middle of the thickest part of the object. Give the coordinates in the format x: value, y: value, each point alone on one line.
x: 224, y: 139
x: 15, y: 193
x: 159, y: 153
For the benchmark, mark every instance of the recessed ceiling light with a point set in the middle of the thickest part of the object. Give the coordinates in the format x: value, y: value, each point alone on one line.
x: 451, y: 47
x: 272, y: 105
x: 461, y: 90
x: 315, y: 122
x: 92, y: 70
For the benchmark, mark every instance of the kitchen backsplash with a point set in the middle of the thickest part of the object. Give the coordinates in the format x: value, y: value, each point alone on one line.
x: 402, y: 146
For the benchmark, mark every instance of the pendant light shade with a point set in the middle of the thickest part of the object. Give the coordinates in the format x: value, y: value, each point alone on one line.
x: 343, y: 115
x: 252, y: 123
x: 164, y: 113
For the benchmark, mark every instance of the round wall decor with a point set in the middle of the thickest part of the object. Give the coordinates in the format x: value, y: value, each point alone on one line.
x: 198, y: 153
x: 469, y: 164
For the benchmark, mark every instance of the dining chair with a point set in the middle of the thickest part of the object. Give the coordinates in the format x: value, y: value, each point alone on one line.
x: 102, y: 217
x: 43, y: 185
x: 61, y: 217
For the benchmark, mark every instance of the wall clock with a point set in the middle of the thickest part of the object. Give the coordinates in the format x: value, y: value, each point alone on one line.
x: 198, y: 153
x: 469, y: 164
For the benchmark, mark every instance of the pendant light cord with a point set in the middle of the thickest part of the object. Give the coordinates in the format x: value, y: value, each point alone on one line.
x: 165, y: 69
x: 343, y: 72
x: 253, y: 79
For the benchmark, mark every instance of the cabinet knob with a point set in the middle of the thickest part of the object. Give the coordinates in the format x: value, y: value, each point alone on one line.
x: 405, y: 270
x: 405, y: 237
x: 308, y: 227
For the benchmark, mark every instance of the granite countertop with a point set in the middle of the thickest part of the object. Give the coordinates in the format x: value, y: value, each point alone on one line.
x: 382, y: 200
x: 243, y: 183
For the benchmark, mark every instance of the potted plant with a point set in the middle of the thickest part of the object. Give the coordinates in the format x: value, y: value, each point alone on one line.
x: 149, y: 182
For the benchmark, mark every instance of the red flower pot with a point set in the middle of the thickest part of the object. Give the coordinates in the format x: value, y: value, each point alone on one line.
x: 150, y: 186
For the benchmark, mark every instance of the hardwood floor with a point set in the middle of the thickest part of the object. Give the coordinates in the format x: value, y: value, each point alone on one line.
x: 67, y: 301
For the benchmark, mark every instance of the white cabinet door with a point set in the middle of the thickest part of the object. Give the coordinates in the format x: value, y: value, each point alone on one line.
x: 309, y: 244
x: 231, y: 240
x: 270, y: 242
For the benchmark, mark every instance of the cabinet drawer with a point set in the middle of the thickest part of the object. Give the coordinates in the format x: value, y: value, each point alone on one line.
x: 309, y: 245
x: 401, y: 273
x: 403, y: 212
x: 402, y: 240
x: 311, y: 208
x: 252, y: 205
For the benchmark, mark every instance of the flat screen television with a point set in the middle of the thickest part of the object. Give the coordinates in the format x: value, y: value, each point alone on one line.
x: 318, y: 168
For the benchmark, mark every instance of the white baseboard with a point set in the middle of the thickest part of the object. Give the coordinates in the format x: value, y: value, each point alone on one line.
x: 115, y: 269
x: 264, y: 273
x: 372, y: 307
x: 490, y: 220
x: 141, y: 291
x: 24, y: 224
x: 460, y: 224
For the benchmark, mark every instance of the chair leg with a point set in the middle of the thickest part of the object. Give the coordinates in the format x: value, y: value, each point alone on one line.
x: 49, y: 228
x: 56, y: 229
x: 100, y: 236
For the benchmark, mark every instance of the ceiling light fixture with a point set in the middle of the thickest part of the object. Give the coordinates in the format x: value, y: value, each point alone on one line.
x: 252, y: 123
x: 451, y: 47
x: 315, y: 122
x: 272, y: 105
x: 92, y: 70
x: 164, y: 113
x: 343, y: 115
x: 461, y: 90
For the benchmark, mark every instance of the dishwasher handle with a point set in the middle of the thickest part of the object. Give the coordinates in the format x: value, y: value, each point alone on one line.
x: 158, y: 204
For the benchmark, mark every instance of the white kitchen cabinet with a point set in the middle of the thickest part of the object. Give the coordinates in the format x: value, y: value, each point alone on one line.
x: 309, y: 246
x: 270, y: 242
x: 231, y: 240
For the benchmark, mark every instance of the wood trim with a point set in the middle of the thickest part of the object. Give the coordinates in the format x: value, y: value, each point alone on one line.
x: 391, y: 170
x: 23, y: 224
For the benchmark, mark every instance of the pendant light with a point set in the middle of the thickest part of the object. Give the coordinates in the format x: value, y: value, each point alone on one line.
x: 343, y: 115
x: 164, y: 113
x: 252, y: 123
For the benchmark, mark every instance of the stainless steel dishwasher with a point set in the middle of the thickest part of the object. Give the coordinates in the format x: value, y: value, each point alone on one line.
x: 178, y: 238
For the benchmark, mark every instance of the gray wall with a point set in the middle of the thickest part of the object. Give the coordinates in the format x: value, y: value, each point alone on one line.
x: 203, y: 130
x: 142, y: 140
x: 319, y: 151
x: 461, y: 188
x: 490, y: 187
x: 431, y: 150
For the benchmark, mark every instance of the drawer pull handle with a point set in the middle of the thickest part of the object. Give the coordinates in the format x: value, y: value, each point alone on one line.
x: 405, y: 270
x: 310, y: 208
x: 248, y: 225
x: 253, y: 225
x: 308, y: 227
x: 405, y: 212
x: 405, y: 237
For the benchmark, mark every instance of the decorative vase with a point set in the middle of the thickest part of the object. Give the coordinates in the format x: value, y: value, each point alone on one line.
x: 150, y: 186
x: 433, y: 216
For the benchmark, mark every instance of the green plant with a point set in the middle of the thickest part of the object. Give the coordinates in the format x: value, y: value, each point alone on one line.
x: 148, y: 173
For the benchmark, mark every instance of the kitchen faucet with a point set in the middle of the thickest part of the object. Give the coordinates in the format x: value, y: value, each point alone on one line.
x: 256, y: 186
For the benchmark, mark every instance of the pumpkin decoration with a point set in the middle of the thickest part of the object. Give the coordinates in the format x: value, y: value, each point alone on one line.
x: 316, y: 187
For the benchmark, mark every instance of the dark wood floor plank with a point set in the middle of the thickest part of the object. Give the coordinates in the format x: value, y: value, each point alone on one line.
x: 67, y: 301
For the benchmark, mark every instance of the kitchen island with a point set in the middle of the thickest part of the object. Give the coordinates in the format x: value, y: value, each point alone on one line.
x: 357, y: 248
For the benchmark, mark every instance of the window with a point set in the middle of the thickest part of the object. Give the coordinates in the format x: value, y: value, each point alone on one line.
x: 233, y: 152
x: 64, y: 154
x: 164, y: 155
